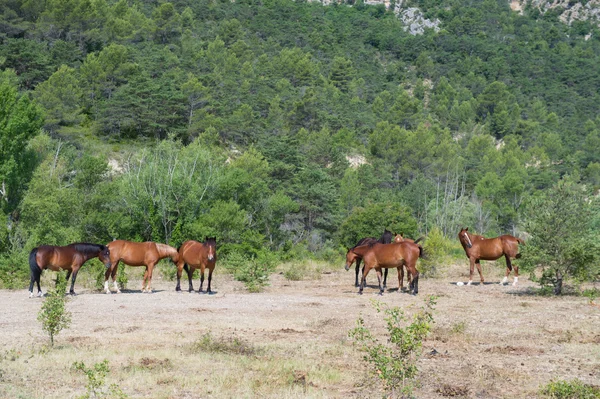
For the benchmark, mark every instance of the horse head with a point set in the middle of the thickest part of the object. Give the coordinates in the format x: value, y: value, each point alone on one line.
x: 211, y: 242
x: 350, y: 258
x: 464, y: 237
x: 104, y: 256
x: 398, y: 238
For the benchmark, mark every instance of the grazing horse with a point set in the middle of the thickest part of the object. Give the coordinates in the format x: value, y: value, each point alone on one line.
x: 385, y: 238
x: 137, y: 254
x: 480, y: 248
x: 197, y: 255
x: 69, y: 258
x: 394, y: 255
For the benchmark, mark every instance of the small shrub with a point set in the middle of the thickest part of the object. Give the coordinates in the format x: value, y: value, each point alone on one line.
x: 395, y: 360
x: 252, y: 271
x: 574, y: 389
x: 436, y: 247
x: 96, y: 386
x: 53, y: 314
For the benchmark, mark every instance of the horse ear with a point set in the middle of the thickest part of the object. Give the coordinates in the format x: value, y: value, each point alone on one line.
x: 466, y: 229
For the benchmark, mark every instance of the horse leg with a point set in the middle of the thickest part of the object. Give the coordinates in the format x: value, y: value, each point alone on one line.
x: 378, y: 271
x: 75, y: 271
x: 201, y: 279
x: 357, y: 269
x: 190, y: 274
x: 150, y: 270
x: 179, y: 270
x: 111, y: 270
x: 363, y: 280
x: 113, y: 274
x: 144, y: 280
x: 471, y: 270
x: 478, y: 264
x: 508, y: 270
x: 400, y: 279
x: 516, y: 281
x: 385, y: 273
x: 210, y: 272
x: 414, y: 282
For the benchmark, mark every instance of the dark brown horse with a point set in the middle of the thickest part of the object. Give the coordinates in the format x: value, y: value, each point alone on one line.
x: 385, y: 238
x: 69, y: 258
x: 197, y: 255
x: 479, y: 248
x: 383, y: 256
x: 137, y: 254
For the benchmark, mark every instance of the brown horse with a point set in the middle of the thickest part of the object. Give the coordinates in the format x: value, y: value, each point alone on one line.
x: 385, y: 238
x: 394, y: 255
x: 401, y: 238
x: 137, y: 254
x: 197, y: 255
x: 69, y: 258
x: 480, y: 248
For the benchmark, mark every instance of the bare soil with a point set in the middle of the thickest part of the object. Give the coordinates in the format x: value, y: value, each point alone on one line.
x: 488, y: 341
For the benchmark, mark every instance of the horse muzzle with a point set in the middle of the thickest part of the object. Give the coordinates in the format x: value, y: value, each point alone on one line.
x: 347, y: 267
x: 107, y: 265
x: 211, y: 258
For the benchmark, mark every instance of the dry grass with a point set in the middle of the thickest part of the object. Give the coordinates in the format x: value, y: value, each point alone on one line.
x: 488, y: 341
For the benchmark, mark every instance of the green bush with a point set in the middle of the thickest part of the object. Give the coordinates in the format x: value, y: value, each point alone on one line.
x: 96, y: 386
x: 53, y: 314
x: 252, y: 271
x: 574, y: 389
x: 394, y: 358
x: 436, y: 248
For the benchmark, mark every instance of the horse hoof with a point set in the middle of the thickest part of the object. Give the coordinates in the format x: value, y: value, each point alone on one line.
x: 31, y: 295
x: 40, y: 294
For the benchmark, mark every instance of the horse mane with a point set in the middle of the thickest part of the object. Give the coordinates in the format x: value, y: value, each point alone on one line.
x: 211, y: 241
x: 88, y: 248
x: 165, y: 249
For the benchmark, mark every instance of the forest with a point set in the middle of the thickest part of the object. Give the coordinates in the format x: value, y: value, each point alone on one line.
x: 288, y: 129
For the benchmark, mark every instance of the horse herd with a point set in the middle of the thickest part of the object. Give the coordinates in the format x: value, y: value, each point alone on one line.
x: 191, y: 255
x: 389, y: 251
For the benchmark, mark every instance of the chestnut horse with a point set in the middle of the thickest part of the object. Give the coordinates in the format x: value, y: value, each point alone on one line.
x: 385, y: 238
x: 395, y: 255
x: 480, y: 248
x: 137, y: 254
x: 69, y: 258
x: 401, y: 238
x: 197, y: 255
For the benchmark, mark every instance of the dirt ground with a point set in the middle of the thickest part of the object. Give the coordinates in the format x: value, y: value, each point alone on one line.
x: 488, y: 341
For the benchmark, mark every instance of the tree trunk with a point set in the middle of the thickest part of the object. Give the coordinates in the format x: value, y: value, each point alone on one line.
x: 558, y: 284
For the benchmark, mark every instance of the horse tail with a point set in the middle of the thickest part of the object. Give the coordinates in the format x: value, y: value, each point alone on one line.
x: 520, y: 241
x: 421, y: 251
x: 419, y: 239
x: 186, y: 268
x: 33, y: 265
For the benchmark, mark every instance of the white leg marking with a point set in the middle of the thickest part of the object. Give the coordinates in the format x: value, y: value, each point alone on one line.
x: 470, y: 281
x: 516, y: 281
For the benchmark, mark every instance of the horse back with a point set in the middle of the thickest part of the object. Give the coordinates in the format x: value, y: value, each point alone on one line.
x: 131, y: 253
x: 55, y: 257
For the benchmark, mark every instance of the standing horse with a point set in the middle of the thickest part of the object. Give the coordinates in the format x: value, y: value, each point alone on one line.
x: 480, y: 248
x: 197, y: 255
x: 401, y: 238
x: 69, y: 258
x: 137, y: 254
x: 394, y: 255
x: 385, y: 238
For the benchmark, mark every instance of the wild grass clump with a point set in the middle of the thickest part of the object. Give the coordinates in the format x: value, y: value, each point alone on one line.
x: 252, y: 271
x: 96, y: 385
x: 574, y: 389
x: 53, y: 314
x: 232, y: 346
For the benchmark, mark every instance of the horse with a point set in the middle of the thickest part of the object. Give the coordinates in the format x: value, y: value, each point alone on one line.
x: 197, y: 255
x: 137, y: 254
x: 377, y: 256
x: 400, y: 238
x: 385, y: 238
x: 480, y: 248
x: 70, y: 258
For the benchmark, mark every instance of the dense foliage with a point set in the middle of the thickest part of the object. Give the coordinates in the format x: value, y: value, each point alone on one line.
x: 272, y: 124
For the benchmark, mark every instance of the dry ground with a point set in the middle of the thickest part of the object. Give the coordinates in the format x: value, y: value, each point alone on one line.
x: 488, y: 341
